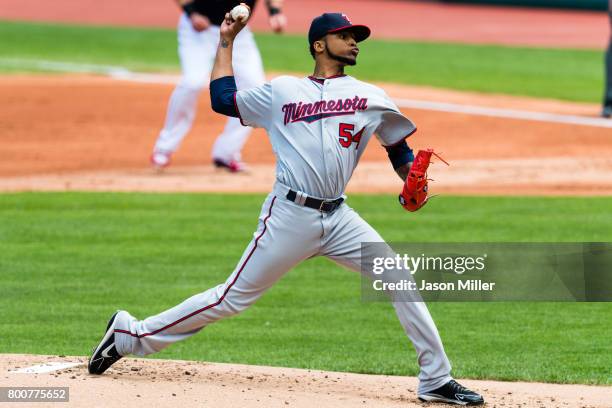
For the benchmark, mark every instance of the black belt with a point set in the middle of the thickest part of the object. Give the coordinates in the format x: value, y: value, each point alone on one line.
x: 320, y: 205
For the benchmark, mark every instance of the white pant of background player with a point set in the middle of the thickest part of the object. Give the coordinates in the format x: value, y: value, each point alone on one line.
x: 197, y: 53
x: 287, y: 234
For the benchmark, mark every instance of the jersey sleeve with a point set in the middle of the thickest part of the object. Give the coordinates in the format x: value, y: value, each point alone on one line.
x: 254, y: 106
x: 393, y: 126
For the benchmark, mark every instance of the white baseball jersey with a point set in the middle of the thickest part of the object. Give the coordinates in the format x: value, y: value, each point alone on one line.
x: 319, y: 129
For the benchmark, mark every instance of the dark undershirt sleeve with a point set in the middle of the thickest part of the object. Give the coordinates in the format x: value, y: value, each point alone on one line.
x: 222, y: 91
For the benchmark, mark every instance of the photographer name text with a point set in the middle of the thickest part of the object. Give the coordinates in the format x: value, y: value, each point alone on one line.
x: 468, y: 285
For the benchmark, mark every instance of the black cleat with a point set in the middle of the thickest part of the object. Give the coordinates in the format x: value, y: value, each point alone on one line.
x: 105, y: 355
x: 452, y: 393
x: 606, y: 112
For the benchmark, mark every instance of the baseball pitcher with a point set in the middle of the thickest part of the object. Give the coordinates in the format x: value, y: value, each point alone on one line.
x: 319, y: 127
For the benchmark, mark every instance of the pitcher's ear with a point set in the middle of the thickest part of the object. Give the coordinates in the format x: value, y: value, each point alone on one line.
x: 319, y: 46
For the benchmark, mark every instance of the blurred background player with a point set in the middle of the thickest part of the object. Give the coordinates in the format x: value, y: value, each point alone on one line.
x: 198, y: 36
x: 607, y: 103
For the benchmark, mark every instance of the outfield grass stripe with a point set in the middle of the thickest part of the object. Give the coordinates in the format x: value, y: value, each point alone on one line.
x: 575, y: 75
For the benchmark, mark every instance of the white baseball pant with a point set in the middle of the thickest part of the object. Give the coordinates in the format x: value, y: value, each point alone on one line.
x: 287, y: 234
x: 197, y: 53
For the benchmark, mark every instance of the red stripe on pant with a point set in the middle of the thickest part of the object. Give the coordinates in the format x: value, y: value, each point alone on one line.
x: 220, y: 299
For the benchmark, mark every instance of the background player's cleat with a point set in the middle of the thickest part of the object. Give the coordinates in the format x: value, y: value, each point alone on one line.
x: 453, y: 393
x: 606, y: 112
x: 105, y: 354
x: 160, y: 160
x: 233, y: 166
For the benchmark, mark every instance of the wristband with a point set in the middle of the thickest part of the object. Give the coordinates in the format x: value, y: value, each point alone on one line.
x: 189, y: 8
x: 400, y: 154
x: 274, y: 11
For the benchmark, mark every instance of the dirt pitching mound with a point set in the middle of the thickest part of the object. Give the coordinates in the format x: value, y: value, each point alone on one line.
x: 156, y: 383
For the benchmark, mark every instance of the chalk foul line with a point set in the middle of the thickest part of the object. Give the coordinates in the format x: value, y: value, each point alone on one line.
x: 504, y: 113
x: 124, y: 74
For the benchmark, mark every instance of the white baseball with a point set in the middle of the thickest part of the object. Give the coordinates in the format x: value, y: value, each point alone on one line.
x: 240, y: 13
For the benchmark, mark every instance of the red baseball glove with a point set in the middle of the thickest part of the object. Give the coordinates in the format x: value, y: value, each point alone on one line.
x: 414, y: 194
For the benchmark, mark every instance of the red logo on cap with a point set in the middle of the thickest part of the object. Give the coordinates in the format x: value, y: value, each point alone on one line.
x: 346, y: 18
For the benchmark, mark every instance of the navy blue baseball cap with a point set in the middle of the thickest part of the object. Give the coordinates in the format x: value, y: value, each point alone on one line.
x: 332, y: 23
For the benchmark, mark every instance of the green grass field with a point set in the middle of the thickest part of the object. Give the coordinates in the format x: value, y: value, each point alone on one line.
x: 70, y: 259
x: 575, y: 75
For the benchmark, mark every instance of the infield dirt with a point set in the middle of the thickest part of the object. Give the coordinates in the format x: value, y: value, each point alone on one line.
x: 69, y: 132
